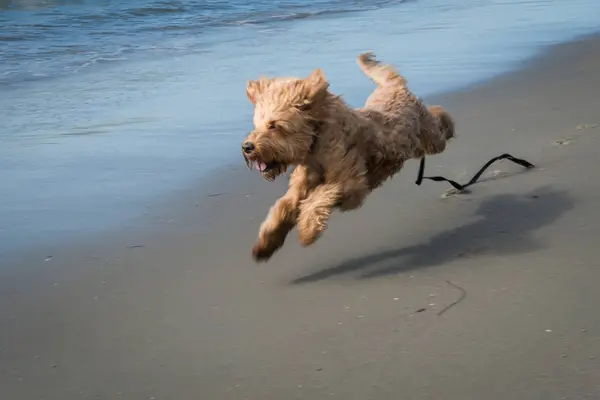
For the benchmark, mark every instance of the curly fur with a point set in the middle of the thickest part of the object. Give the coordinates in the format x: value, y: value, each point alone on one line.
x: 340, y: 154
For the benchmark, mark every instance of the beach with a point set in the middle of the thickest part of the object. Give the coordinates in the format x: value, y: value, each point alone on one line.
x: 174, y: 307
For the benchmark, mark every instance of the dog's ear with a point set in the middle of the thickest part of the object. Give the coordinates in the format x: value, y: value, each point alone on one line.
x: 254, y: 89
x: 315, y: 87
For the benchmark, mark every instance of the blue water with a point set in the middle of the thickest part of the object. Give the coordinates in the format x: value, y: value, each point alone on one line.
x: 106, y: 105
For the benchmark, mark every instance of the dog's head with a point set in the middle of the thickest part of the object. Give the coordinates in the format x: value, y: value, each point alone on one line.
x: 285, y: 114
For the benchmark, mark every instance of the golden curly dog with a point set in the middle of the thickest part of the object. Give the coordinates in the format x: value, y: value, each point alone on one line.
x: 340, y: 154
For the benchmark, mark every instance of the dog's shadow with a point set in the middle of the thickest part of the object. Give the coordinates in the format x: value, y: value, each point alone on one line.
x: 505, y: 225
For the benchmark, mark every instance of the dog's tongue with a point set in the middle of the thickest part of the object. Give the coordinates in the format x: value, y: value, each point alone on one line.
x: 261, y: 167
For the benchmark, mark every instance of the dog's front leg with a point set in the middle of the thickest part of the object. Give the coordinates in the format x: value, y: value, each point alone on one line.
x: 315, y: 211
x: 282, y: 216
x: 273, y: 231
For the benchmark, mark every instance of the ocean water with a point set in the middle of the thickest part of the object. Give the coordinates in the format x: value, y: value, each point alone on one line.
x: 108, y: 105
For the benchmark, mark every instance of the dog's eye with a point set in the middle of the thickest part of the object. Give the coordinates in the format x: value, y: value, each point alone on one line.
x: 271, y: 125
x: 303, y: 106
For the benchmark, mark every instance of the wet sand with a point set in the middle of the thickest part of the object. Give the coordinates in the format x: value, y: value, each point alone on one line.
x: 176, y: 309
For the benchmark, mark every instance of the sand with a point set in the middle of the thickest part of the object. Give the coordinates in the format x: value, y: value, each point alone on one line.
x: 176, y: 309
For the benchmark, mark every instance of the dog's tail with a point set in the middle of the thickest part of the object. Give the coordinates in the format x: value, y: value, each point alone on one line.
x: 381, y: 74
x: 444, y: 120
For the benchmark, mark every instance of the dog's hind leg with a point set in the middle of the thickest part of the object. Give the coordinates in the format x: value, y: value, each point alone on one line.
x: 315, y: 211
x: 436, y: 128
x: 444, y: 121
x: 381, y: 74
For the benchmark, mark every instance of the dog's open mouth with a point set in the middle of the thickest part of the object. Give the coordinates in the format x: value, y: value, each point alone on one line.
x: 262, y: 166
x: 269, y: 169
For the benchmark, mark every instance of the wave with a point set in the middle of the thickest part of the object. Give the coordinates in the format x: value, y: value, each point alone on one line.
x: 295, y: 16
x: 155, y: 11
x: 58, y: 37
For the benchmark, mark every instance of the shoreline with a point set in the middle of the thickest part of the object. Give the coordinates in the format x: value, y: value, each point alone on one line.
x: 175, y: 308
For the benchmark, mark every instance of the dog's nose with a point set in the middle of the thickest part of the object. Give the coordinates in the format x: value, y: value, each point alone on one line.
x: 248, y: 147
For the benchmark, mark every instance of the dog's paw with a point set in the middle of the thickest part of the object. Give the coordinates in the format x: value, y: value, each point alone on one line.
x: 311, y: 226
x: 262, y: 253
x: 309, y: 236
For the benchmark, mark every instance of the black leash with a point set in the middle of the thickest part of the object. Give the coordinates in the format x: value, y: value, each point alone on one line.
x: 474, y: 179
